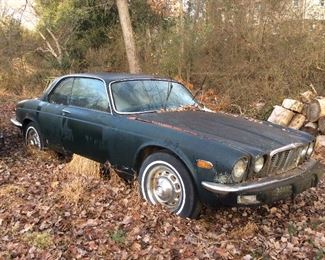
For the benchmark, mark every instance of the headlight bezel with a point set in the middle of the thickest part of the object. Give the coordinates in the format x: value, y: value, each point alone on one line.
x: 241, y: 176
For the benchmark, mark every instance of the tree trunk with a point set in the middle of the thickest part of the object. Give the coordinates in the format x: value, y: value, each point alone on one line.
x: 281, y: 116
x: 131, y: 53
x: 182, y: 37
x: 293, y: 105
x: 321, y: 125
x: 297, y: 121
x: 316, y: 109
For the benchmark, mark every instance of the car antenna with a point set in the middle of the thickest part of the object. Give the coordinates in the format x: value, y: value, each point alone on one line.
x: 201, y: 87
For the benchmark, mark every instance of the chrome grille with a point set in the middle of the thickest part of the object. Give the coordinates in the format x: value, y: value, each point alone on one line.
x: 284, y: 160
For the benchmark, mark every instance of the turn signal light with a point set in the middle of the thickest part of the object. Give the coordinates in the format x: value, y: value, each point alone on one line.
x: 204, y: 164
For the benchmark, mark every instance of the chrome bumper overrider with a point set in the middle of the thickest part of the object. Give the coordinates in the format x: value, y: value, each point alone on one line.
x: 15, y: 122
x: 303, y: 173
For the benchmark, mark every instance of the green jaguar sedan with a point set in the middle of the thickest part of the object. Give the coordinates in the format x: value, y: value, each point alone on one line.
x: 182, y: 154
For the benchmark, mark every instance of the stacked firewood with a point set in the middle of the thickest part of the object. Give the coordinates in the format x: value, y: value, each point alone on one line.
x: 306, y: 114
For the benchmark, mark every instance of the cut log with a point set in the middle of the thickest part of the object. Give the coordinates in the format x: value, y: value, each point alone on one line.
x: 310, y: 128
x: 293, y: 105
x: 297, y: 121
x: 316, y: 109
x: 304, y: 110
x: 320, y: 143
x: 321, y: 125
x: 312, y: 125
x: 307, y: 96
x: 281, y: 116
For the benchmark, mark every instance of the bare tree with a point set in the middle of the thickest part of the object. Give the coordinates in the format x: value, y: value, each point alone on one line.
x: 131, y: 53
x: 56, y: 51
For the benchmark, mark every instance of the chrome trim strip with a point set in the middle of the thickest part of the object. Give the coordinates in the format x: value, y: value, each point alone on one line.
x: 224, y: 189
x: 290, y: 157
x: 284, y: 148
x: 15, y: 122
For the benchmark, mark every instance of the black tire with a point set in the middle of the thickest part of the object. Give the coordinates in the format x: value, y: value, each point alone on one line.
x: 33, y: 136
x: 165, y: 180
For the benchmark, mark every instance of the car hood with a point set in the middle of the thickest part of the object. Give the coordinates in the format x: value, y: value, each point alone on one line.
x: 249, y: 135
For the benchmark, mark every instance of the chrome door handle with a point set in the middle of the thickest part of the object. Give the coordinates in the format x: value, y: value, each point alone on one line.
x: 65, y: 112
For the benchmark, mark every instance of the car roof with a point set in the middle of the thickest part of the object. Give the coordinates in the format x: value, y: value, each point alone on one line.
x: 110, y: 76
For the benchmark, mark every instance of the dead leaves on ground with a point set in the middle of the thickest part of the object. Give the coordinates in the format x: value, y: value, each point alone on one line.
x: 47, y: 212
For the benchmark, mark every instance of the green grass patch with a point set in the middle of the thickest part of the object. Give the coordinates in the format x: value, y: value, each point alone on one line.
x: 292, y: 229
x: 118, y: 236
x: 41, y: 240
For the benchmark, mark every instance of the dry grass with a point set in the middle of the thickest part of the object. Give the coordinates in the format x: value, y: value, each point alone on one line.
x: 44, y: 155
x: 81, y: 166
x: 41, y: 240
x: 74, y: 189
x: 11, y: 190
x: 11, y: 195
x: 80, y: 173
x: 249, y: 230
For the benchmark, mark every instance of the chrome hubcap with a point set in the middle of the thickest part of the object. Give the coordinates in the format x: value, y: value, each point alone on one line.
x: 32, y: 138
x: 164, y: 187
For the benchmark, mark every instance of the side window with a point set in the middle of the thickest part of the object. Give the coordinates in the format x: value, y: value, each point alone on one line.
x: 62, y: 92
x: 89, y: 93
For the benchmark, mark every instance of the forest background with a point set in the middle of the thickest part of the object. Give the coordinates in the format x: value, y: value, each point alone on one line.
x: 249, y: 54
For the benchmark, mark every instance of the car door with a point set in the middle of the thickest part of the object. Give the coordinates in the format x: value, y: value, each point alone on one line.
x: 87, y: 120
x: 51, y: 111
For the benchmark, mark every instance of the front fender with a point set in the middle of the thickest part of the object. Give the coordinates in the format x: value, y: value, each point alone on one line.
x: 173, y: 149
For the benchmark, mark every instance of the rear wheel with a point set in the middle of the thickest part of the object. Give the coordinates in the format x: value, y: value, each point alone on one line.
x: 33, y: 136
x: 165, y: 180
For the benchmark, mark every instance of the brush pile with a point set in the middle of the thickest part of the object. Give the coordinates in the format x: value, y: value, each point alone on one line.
x: 306, y: 114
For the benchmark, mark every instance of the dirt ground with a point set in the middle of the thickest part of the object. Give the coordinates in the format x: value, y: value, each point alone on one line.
x: 49, y: 213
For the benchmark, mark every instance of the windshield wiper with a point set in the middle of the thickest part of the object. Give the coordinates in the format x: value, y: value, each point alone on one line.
x: 170, y: 87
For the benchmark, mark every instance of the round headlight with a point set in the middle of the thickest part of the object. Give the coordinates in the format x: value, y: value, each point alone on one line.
x: 303, y: 152
x: 310, y: 149
x: 239, y: 169
x: 259, y: 163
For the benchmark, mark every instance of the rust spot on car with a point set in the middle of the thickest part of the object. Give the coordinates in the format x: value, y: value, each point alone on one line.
x: 173, y: 127
x: 164, y: 125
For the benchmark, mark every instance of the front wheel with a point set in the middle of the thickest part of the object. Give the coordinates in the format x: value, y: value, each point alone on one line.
x: 33, y: 136
x: 165, y: 180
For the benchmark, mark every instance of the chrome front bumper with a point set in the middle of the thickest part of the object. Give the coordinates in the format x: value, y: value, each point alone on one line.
x: 297, y: 180
x: 15, y: 122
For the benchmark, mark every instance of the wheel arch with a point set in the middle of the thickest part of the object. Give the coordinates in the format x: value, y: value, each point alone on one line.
x: 26, y: 121
x: 148, y: 149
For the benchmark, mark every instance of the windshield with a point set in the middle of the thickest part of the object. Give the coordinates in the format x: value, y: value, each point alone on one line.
x: 150, y: 95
